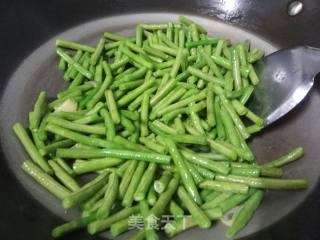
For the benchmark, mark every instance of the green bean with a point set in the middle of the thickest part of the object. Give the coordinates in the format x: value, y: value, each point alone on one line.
x: 31, y: 148
x: 210, y: 195
x: 175, y: 209
x: 166, y: 40
x: 159, y: 54
x: 235, y: 118
x: 109, y: 197
x: 234, y: 200
x: 242, y: 54
x: 198, y: 73
x: 169, y: 31
x: 254, y: 128
x: 154, y: 26
x: 103, y: 87
x: 229, y: 128
x: 182, y: 103
x: 179, y: 125
x: 163, y: 91
x: 182, y: 168
x: 113, y: 36
x: 174, y: 95
x: 129, y: 195
x: 293, y: 155
x: 122, y: 168
x: 39, y: 109
x: 151, y: 197
x: 134, y: 93
x: 136, y: 58
x: 145, y: 182
x: 236, y: 69
x: 83, y: 102
x: 119, y: 227
x: 219, y: 124
x: 245, y: 214
x: 177, y: 63
x: 83, y: 88
x: 98, y: 51
x: 128, y: 74
x: 64, y: 166
x: 45, y: 180
x: 164, y: 199
x: 206, y: 163
x: 184, y: 20
x: 197, y: 214
x: 144, y: 115
x: 62, y: 65
x: 110, y: 128
x: 58, y: 103
x: 271, y: 172
x: 98, y: 73
x: 92, y: 118
x: 111, y: 103
x: 116, y: 66
x: 189, y: 139
x: 103, y: 224
x: 210, y: 106
x: 205, y: 173
x: 229, y: 84
x: 219, y: 47
x: 95, y: 165
x: 224, y: 186
x: 182, y: 224
x: 63, y: 176
x: 76, y: 65
x: 299, y: 183
x: 73, y: 45
x: 194, y: 118
x: 130, y: 85
x: 153, y: 145
x: 226, y: 52
x: 85, y: 192
x: 127, y: 178
x: 71, y: 226
x: 163, y: 127
x: 139, y: 32
x: 92, y: 202
x: 191, y: 129
x: 80, y: 137
x: 165, y: 49
x: 181, y: 37
x: 215, y: 201
x: 134, y: 116
x: 249, y: 172
x: 112, y: 46
x: 194, y: 172
x: 150, y: 233
x: 76, y: 126
x: 127, y: 124
x: 255, y: 55
x: 161, y: 184
x: 218, y: 147
x: 39, y: 143
x: 209, y: 41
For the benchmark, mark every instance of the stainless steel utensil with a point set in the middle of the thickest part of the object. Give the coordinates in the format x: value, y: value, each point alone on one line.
x: 286, y: 78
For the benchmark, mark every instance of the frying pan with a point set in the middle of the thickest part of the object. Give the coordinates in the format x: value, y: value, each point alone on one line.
x: 28, y: 64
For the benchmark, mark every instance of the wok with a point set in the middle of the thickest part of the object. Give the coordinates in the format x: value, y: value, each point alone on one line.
x: 28, y: 64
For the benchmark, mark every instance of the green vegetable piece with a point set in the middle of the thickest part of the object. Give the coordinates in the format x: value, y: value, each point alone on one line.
x: 45, y: 180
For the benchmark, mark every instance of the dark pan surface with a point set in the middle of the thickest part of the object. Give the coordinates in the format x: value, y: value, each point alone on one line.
x: 39, y: 72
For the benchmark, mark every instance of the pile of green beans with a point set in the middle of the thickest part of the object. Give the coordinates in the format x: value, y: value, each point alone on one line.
x: 159, y: 120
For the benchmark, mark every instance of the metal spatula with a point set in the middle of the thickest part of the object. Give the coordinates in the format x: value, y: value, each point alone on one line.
x: 286, y: 78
